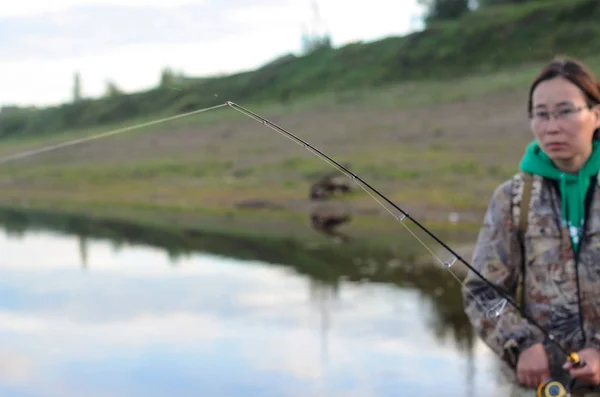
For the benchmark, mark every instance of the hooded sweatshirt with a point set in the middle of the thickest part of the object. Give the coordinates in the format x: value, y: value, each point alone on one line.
x: 573, y: 187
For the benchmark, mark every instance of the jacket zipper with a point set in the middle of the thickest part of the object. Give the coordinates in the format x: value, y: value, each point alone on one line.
x: 583, y: 336
x: 588, y: 205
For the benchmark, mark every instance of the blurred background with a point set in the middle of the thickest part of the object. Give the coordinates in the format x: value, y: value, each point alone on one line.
x: 210, y: 255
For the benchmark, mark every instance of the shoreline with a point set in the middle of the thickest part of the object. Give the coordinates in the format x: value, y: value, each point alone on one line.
x: 302, y: 249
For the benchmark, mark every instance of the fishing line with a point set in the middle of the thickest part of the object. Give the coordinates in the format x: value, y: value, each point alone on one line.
x: 50, y: 148
x: 492, y: 311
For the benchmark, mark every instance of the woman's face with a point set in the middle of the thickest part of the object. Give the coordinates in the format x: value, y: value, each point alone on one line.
x: 561, y: 121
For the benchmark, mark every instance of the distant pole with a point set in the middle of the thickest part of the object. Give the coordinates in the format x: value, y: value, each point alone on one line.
x: 77, y: 87
x: 316, y: 16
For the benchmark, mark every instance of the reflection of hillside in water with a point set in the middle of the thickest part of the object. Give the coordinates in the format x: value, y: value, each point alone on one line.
x: 440, y: 292
x: 446, y: 319
x: 322, y: 295
x: 83, y: 250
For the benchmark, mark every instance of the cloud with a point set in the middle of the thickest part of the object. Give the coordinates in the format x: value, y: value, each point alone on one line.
x: 135, y: 66
x: 93, y: 29
x: 42, y: 44
x: 344, y: 21
x: 15, y: 367
x: 132, y: 324
x: 40, y: 7
x: 140, y: 330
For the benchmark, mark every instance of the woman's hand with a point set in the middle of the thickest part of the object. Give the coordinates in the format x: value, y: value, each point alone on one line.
x: 533, y: 367
x: 590, y: 372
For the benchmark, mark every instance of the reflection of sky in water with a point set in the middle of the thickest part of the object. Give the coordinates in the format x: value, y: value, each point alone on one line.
x: 132, y: 324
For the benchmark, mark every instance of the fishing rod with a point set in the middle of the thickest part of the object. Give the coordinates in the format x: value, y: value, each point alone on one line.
x: 549, y: 388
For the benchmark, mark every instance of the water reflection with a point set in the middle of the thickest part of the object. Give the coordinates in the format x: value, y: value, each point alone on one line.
x: 83, y: 316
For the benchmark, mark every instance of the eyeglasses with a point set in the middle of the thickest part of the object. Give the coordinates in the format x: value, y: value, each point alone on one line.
x: 560, y: 114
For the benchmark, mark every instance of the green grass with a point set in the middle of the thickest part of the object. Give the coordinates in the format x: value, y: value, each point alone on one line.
x: 159, y: 176
x: 435, y: 136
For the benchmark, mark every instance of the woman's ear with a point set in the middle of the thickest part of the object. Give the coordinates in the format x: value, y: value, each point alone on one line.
x: 596, y: 111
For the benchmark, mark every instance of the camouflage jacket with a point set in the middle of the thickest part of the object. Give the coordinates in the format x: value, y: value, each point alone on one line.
x: 562, y: 289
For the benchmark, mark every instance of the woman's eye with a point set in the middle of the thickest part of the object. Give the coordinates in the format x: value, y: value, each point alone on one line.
x: 564, y: 112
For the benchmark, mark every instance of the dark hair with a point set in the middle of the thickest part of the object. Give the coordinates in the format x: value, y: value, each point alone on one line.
x: 574, y: 71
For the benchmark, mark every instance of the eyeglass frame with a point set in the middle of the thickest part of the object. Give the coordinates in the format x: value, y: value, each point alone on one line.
x: 559, y: 114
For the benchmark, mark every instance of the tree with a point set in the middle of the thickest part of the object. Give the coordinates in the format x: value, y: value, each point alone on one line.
x: 112, y: 90
x: 167, y: 78
x: 315, y: 36
x: 445, y: 9
x: 311, y: 43
x: 77, y: 87
x: 486, y: 3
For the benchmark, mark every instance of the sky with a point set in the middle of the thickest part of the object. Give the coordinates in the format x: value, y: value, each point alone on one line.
x: 132, y: 324
x: 129, y: 42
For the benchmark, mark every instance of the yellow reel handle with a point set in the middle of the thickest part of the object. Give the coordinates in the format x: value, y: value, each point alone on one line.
x: 575, y: 360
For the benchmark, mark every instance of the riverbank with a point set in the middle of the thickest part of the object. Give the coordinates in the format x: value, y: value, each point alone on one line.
x: 435, y: 147
x: 398, y: 258
x: 226, y: 174
x: 435, y: 151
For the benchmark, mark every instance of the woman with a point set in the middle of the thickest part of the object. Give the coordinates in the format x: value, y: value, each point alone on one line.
x: 560, y: 248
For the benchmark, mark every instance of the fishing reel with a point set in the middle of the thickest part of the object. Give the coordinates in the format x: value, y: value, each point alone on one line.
x: 552, y: 388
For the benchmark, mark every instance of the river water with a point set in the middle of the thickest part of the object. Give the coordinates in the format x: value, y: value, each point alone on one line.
x: 84, y: 318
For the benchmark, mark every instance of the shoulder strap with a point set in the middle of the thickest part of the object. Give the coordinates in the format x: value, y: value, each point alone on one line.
x: 523, y: 218
x: 525, y: 198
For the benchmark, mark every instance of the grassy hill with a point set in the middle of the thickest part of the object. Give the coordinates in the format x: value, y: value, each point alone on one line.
x: 431, y: 120
x: 481, y: 42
